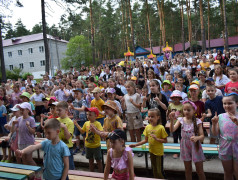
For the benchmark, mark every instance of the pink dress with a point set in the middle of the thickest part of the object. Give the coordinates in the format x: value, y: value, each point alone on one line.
x: 228, y: 149
x: 188, y: 150
x: 120, y: 163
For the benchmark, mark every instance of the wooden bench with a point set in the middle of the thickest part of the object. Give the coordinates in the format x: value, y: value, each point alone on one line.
x: 169, y: 148
x: 17, y: 171
x: 75, y: 175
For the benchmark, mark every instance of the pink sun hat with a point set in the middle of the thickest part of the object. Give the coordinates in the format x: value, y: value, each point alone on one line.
x: 176, y: 93
x: 26, y: 105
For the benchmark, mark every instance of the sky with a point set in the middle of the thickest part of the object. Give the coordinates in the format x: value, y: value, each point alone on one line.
x: 30, y: 14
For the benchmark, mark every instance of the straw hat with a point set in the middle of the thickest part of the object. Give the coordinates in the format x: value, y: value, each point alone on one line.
x: 110, y: 104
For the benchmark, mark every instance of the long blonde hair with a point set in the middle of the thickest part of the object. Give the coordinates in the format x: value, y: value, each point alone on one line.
x: 218, y: 75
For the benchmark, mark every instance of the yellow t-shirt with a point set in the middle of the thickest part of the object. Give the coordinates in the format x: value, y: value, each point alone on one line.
x: 112, y: 124
x: 70, y: 126
x: 92, y: 140
x: 155, y: 147
x: 178, y: 109
x: 98, y: 104
x: 205, y: 65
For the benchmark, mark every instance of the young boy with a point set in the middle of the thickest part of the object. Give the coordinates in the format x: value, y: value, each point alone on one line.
x: 213, y: 105
x: 92, y: 140
x: 166, y: 85
x: 179, y: 87
x: 56, y: 152
x: 61, y: 93
x: 98, y: 102
x: 3, y: 117
x: 78, y: 106
x: 112, y: 121
x: 67, y: 129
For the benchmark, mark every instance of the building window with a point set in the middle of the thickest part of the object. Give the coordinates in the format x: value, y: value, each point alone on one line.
x: 41, y: 49
x: 11, y: 67
x: 31, y: 64
x: 21, y: 66
x: 19, y: 52
x: 42, y: 63
x: 9, y: 54
x: 30, y: 50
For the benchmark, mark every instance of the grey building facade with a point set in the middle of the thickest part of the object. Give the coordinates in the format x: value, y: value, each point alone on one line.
x: 28, y: 53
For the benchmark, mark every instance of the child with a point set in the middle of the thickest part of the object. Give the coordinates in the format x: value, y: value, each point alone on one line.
x: 119, y: 157
x: 38, y: 98
x: 56, y: 152
x: 232, y: 86
x: 132, y: 105
x: 166, y: 85
x: 78, y: 106
x: 226, y: 125
x: 213, y: 105
x: 98, y: 102
x: 5, y: 144
x: 89, y: 97
x: 61, y: 93
x: 26, y: 130
x: 112, y: 121
x: 111, y: 94
x: 179, y: 87
x: 192, y: 135
x: 177, y: 107
x: 156, y: 135
x: 92, y: 140
x: 67, y: 129
x: 25, y: 96
x: 3, y: 117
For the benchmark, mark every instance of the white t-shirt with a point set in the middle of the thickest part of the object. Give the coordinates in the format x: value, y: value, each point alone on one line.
x: 221, y: 81
x: 37, y: 97
x: 130, y: 108
x: 205, y: 96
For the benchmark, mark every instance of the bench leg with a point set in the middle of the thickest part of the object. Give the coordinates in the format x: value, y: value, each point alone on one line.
x: 38, y: 154
x: 102, y: 160
x: 146, y: 162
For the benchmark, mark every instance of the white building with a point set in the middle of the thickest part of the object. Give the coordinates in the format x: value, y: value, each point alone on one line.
x: 28, y: 53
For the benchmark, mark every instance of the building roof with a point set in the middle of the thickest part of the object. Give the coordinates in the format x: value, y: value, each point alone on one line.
x: 29, y: 38
x: 214, y: 43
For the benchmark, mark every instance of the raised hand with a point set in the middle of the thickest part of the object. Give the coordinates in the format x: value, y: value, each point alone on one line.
x: 215, y: 119
x: 172, y: 116
x: 27, y: 123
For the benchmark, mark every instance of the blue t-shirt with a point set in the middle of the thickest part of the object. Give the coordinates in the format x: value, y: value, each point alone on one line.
x: 3, y: 119
x: 215, y: 105
x: 53, y: 159
x: 167, y: 94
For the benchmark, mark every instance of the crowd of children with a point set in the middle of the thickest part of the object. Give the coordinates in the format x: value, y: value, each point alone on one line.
x: 148, y: 98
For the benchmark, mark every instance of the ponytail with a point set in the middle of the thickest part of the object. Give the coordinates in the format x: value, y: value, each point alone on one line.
x: 195, y: 131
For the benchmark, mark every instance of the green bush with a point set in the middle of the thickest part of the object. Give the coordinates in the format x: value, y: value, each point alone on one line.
x: 14, y: 74
x: 24, y: 76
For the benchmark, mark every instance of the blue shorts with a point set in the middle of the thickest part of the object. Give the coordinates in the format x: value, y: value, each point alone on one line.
x: 3, y: 130
x: 76, y: 131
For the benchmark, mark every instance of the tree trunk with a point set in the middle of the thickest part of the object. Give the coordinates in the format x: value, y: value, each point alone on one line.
x: 47, y: 54
x: 163, y: 32
x: 132, y: 29
x: 225, y: 26
x: 123, y: 27
x: 182, y: 19
x: 189, y: 23
x: 148, y: 22
x: 92, y: 30
x: 160, y: 21
x: 202, y: 27
x: 126, y: 16
x: 3, y: 70
x: 208, y: 23
x: 222, y: 17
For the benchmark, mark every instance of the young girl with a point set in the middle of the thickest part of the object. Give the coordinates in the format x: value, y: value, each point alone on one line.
x: 26, y: 130
x: 37, y: 98
x: 119, y: 157
x: 156, y: 135
x: 192, y: 135
x: 132, y: 104
x: 157, y: 100
x: 220, y: 79
x: 226, y: 125
x: 232, y: 86
x: 176, y: 106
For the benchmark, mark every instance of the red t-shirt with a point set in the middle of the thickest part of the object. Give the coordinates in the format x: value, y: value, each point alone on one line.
x: 51, y: 117
x: 229, y: 87
x: 200, y: 108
